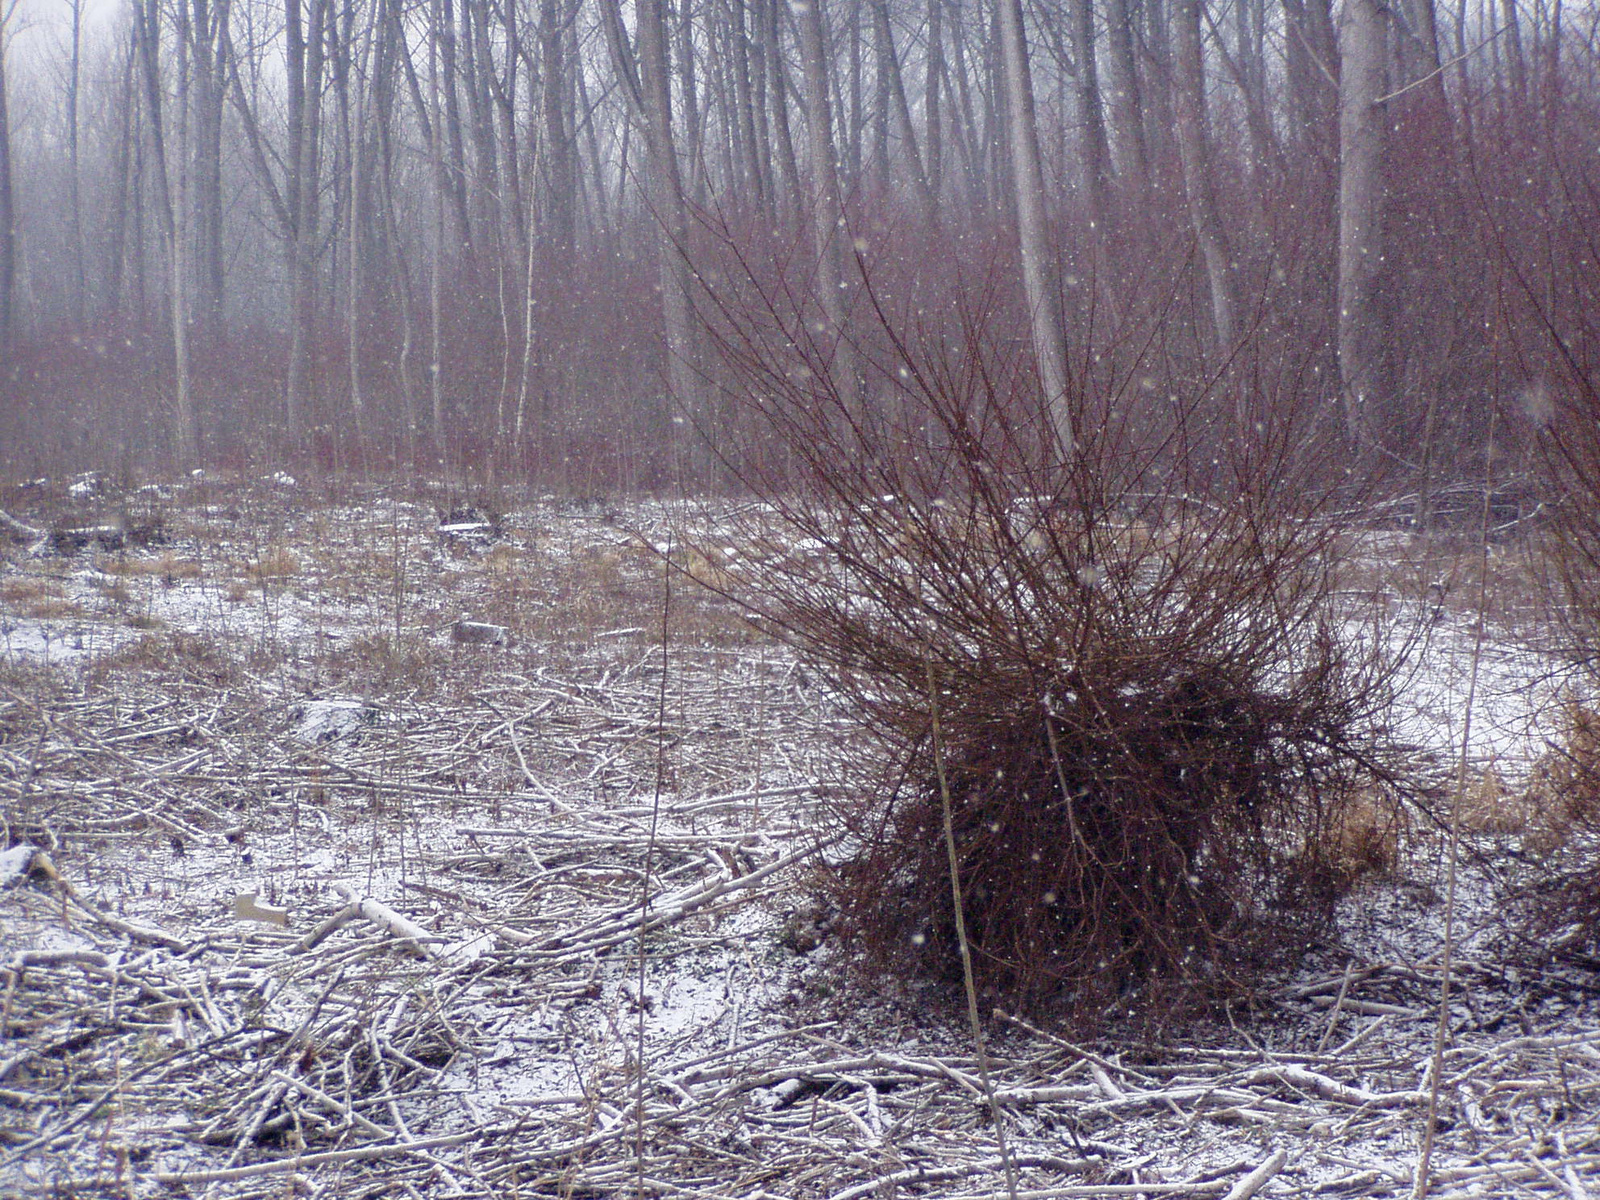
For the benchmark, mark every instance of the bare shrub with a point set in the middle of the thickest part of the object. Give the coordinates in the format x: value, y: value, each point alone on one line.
x: 1567, y: 782
x: 1155, y: 713
x: 1561, y: 909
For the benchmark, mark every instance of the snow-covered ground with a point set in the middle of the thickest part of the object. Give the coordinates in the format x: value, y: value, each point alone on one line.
x: 324, y: 901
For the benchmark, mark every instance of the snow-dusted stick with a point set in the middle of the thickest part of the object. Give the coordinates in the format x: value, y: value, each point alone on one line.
x: 310, y: 1162
x: 1084, y: 1055
x: 1338, y: 1006
x: 887, y: 1184
x: 329, y: 1104
x: 381, y: 914
x: 1361, y: 1037
x: 665, y: 910
x: 1197, y: 1094
x: 1501, y: 1177
x: 1369, y: 1008
x: 18, y: 532
x: 1568, y: 1181
x: 386, y: 1092
x: 696, y: 1070
x: 1050, y: 1094
x: 138, y: 931
x: 247, y: 1135
x: 1257, y: 1179
x: 1103, y: 1081
x: 311, y: 940
x: 1332, y: 1089
x: 1093, y: 1191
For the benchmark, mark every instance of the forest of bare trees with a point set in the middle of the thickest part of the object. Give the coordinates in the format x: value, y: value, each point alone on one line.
x: 494, y: 236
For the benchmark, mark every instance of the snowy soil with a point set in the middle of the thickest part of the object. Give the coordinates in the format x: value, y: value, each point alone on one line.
x: 301, y: 895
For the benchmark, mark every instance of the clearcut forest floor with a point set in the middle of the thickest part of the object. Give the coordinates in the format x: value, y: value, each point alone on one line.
x: 302, y: 896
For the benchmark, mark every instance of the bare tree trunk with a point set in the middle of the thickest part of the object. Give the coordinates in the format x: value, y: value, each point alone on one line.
x: 754, y: 184
x: 1205, y: 214
x: 1127, y: 111
x: 881, y: 103
x: 510, y: 142
x: 1363, y: 351
x: 439, y: 36
x: 760, y: 77
x: 889, y: 66
x: 724, y: 136
x: 208, y: 33
x: 1250, y: 73
x: 391, y: 46
x: 8, y: 212
x: 1420, y: 46
x: 1158, y: 82
x: 601, y: 225
x: 353, y: 119
x: 689, y: 91
x: 560, y: 180
x: 80, y: 281
x: 1312, y: 54
x: 647, y: 87
x: 998, y: 198
x: 827, y: 209
x: 852, y: 121
x: 306, y: 42
x: 932, y: 98
x: 443, y: 80
x: 966, y: 129
x: 1096, y: 148
x: 788, y: 167
x: 147, y: 19
x: 477, y: 70
x: 1049, y: 341
x: 125, y: 159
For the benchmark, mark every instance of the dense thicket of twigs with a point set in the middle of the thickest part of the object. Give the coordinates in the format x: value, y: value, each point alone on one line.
x: 1156, y: 706
x: 1571, y: 778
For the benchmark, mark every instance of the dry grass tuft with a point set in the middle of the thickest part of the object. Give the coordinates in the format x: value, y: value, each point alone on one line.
x: 1489, y: 805
x: 1563, y: 793
x: 1368, y: 836
x: 40, y: 599
x: 274, y: 563
x: 168, y: 567
x: 1563, y: 836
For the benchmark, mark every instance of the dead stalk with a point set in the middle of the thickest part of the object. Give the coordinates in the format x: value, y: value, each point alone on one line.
x: 1442, y: 1029
x: 961, y: 940
x: 649, y: 855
